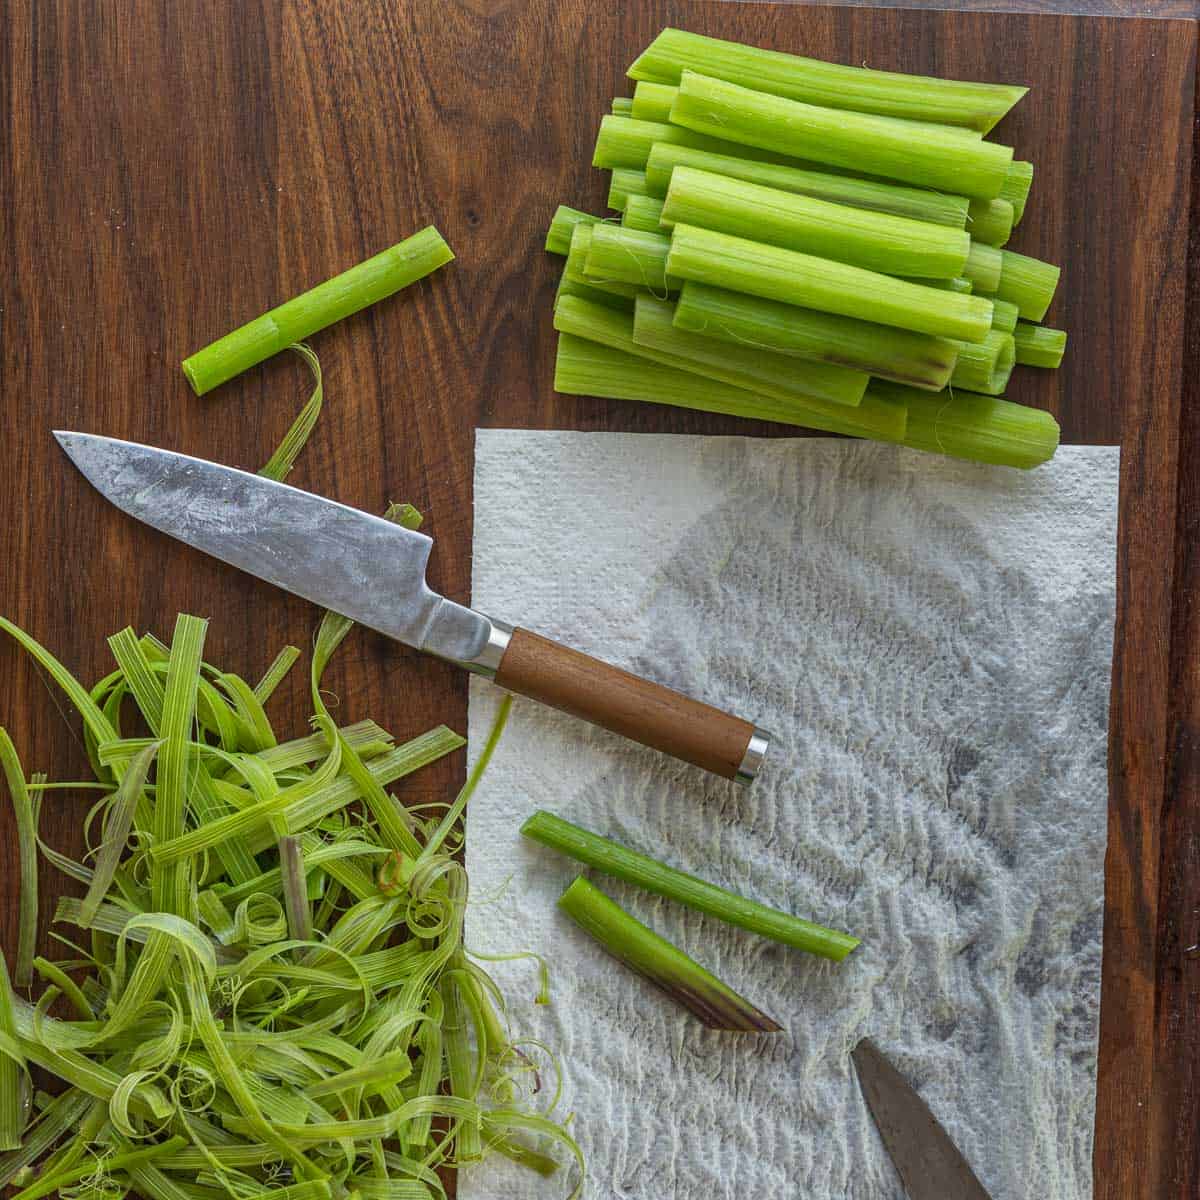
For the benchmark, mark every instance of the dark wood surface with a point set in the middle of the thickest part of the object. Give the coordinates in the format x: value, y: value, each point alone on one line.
x: 170, y: 170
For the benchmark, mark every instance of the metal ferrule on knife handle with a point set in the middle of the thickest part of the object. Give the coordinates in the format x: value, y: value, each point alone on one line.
x: 604, y: 695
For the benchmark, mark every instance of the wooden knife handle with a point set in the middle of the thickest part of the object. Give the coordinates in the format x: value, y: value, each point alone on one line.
x: 646, y: 712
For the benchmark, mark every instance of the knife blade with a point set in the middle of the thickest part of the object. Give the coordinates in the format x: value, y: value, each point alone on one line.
x: 372, y: 571
x: 929, y: 1163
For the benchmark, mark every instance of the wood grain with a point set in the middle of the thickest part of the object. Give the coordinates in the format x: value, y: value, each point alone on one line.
x: 169, y: 170
x: 636, y: 708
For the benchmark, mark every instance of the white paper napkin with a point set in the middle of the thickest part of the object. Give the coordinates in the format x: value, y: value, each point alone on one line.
x: 930, y: 643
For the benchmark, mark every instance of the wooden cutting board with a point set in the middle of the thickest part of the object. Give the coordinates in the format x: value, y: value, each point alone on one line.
x: 176, y: 169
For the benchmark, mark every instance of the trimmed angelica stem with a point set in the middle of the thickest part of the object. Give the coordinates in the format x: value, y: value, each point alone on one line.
x: 821, y: 390
x: 587, y: 368
x: 567, y: 286
x: 775, y: 375
x: 1039, y: 345
x: 990, y: 221
x: 957, y: 284
x: 562, y: 225
x: 944, y: 160
x: 12, y: 1072
x: 810, y: 282
x: 983, y: 268
x: 949, y: 101
x: 654, y: 958
x: 876, y: 195
x: 767, y: 325
x: 977, y: 428
x: 1004, y: 316
x: 1017, y: 182
x: 652, y: 101
x: 877, y: 241
x: 622, y: 863
x: 985, y: 366
x: 644, y: 213
x: 1028, y: 283
x: 625, y: 183
x: 626, y: 142
x: 629, y: 256
x: 622, y: 106
x: 355, y: 289
x: 577, y: 256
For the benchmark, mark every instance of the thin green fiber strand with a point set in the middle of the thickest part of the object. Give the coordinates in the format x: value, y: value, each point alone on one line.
x: 929, y: 156
x: 363, y: 285
x: 27, y: 902
x: 976, y: 106
x: 288, y: 450
x: 618, y: 254
x: 122, y: 1160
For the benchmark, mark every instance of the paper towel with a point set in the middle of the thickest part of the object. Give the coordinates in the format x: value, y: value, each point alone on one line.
x: 930, y: 643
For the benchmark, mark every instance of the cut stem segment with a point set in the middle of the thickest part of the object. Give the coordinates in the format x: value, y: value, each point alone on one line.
x: 622, y: 106
x: 562, y: 225
x: 577, y: 256
x: 876, y: 195
x: 1028, y: 283
x: 587, y: 368
x: 761, y: 325
x: 944, y: 160
x: 626, y: 142
x: 652, y: 101
x: 1004, y: 316
x: 644, y: 213
x: 1039, y: 345
x: 625, y: 183
x: 629, y: 256
x: 949, y: 101
x: 817, y: 390
x: 983, y: 268
x: 985, y: 366
x: 355, y: 289
x: 877, y: 241
x: 801, y: 279
x: 1017, y: 182
x: 622, y: 863
x: 654, y: 958
x: 990, y: 221
x: 977, y: 428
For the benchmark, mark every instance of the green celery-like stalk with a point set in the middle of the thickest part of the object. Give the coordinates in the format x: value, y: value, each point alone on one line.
x: 630, y: 942
x: 877, y: 241
x: 985, y: 366
x: 25, y: 822
x: 876, y: 195
x: 990, y: 221
x: 626, y: 142
x: 639, y: 869
x: 562, y: 225
x: 355, y: 289
x: 629, y: 256
x: 776, y: 375
x: 983, y: 268
x: 769, y: 326
x: 957, y: 284
x: 644, y: 213
x: 1004, y: 316
x: 976, y: 106
x: 810, y: 282
x: 940, y: 159
x: 625, y: 183
x: 1028, y: 283
x: 12, y: 1069
x: 568, y: 286
x: 622, y: 106
x: 977, y: 428
x: 587, y: 368
x: 577, y: 257
x: 817, y: 390
x: 1017, y: 182
x: 652, y: 101
x: 1039, y: 345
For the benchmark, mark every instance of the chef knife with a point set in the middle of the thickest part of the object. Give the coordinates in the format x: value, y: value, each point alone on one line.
x: 373, y: 571
x: 929, y: 1163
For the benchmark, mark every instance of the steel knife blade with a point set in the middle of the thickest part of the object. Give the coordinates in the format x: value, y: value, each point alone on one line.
x: 373, y: 571
x: 929, y: 1163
